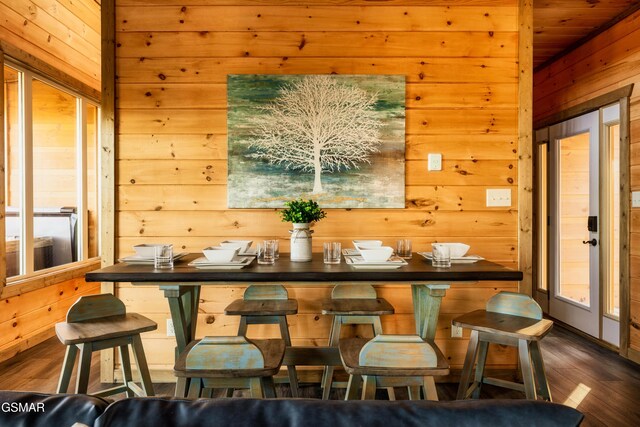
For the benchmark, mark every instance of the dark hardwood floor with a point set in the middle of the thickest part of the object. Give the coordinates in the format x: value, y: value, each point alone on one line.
x: 605, y: 386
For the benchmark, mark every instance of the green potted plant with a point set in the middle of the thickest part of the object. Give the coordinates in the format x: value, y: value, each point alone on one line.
x: 301, y: 213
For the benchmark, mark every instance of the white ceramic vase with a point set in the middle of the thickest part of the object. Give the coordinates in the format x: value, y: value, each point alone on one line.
x: 301, y: 242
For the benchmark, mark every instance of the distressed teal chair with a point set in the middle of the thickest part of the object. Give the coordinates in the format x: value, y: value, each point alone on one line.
x: 229, y: 363
x: 98, y: 322
x: 267, y: 305
x: 352, y: 305
x: 392, y: 361
x: 511, y: 319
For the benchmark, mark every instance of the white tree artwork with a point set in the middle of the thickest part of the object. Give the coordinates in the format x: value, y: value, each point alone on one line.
x: 318, y: 124
x: 339, y: 139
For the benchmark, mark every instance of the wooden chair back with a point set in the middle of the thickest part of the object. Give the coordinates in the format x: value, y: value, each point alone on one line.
x: 354, y: 292
x: 398, y: 351
x: 262, y: 292
x: 515, y: 304
x: 222, y: 353
x: 95, y: 307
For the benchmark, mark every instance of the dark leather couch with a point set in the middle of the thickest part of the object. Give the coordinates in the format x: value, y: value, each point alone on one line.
x: 65, y: 410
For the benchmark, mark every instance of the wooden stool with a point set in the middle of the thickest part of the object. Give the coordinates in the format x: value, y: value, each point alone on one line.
x: 352, y: 305
x: 98, y: 322
x: 229, y: 362
x: 392, y: 361
x: 510, y: 319
x: 267, y: 305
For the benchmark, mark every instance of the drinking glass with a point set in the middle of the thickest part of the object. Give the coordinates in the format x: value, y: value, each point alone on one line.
x: 266, y: 252
x: 276, y: 250
x: 403, y: 248
x: 441, y: 256
x: 332, y: 252
x: 163, y: 256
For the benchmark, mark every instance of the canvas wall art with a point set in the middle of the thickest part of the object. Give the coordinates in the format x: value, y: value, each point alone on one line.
x: 338, y: 139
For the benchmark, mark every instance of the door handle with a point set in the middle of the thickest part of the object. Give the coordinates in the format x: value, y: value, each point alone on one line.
x: 592, y: 242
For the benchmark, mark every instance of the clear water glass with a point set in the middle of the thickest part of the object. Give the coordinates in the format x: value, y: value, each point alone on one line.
x: 441, y: 255
x: 163, y: 257
x: 403, y: 248
x: 266, y: 252
x: 332, y: 252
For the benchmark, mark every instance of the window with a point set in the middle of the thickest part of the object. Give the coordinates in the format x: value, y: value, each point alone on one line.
x: 51, y: 186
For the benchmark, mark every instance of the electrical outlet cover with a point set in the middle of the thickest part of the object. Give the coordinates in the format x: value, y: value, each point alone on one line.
x: 434, y: 162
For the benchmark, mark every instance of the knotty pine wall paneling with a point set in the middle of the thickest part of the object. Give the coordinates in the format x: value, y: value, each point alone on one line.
x: 60, y: 38
x: 605, y: 63
x: 172, y: 61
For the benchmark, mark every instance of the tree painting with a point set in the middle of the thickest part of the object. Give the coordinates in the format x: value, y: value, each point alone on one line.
x: 336, y: 138
x: 318, y: 124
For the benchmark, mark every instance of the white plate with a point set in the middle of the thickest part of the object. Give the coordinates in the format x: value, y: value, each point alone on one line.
x: 204, y: 263
x: 350, y: 252
x: 468, y: 259
x: 135, y: 259
x: 359, y: 262
x: 249, y: 252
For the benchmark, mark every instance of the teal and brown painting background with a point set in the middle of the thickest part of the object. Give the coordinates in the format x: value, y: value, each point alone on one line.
x: 254, y: 183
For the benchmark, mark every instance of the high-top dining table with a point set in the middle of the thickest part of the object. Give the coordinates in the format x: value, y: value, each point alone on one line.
x: 182, y: 284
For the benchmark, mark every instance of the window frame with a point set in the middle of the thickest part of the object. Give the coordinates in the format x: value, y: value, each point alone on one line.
x: 31, y: 280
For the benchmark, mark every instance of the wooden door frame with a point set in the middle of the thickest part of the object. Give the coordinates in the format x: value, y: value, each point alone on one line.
x: 622, y: 96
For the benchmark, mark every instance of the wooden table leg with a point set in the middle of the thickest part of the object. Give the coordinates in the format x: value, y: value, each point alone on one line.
x: 426, y: 307
x: 469, y: 360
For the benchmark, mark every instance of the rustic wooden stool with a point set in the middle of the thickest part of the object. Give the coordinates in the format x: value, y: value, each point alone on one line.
x: 267, y: 305
x: 229, y: 362
x: 392, y: 361
x: 510, y: 319
x: 98, y: 322
x: 352, y: 305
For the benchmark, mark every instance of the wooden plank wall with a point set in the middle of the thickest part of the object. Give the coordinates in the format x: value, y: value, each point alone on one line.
x: 65, y: 35
x: 605, y: 63
x: 172, y: 62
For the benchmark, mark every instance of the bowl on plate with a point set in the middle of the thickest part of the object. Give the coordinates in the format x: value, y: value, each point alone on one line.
x: 147, y: 250
x: 243, y: 245
x: 378, y: 254
x: 457, y: 250
x: 367, y: 244
x: 220, y: 253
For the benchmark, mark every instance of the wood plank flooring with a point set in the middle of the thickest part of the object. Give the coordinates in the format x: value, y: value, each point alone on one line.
x: 575, y: 367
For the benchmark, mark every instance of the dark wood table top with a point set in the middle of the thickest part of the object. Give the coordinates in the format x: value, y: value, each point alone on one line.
x: 418, y: 270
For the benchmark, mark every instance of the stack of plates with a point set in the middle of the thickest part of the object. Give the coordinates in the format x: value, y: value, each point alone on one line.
x: 135, y: 259
x: 356, y: 261
x: 235, y: 264
x: 468, y: 259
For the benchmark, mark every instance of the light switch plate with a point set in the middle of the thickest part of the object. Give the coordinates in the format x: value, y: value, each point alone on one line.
x: 499, y: 197
x: 635, y: 199
x: 435, y: 162
x: 170, y: 331
x: 456, y: 331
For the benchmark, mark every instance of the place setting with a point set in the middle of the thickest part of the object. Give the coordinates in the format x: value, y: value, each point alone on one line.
x: 372, y: 255
x: 160, y: 255
x: 228, y: 255
x: 444, y: 254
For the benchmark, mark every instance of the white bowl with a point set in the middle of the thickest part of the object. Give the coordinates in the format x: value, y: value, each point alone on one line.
x: 367, y: 244
x: 147, y: 250
x: 379, y: 254
x: 220, y: 254
x: 242, y: 244
x: 457, y: 250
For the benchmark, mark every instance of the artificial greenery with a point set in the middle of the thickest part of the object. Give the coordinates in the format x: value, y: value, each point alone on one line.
x: 301, y: 211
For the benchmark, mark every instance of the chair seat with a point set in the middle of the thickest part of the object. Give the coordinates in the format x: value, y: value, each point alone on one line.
x: 505, y: 324
x: 103, y: 328
x: 350, y: 354
x: 272, y: 351
x: 265, y: 307
x: 357, y: 307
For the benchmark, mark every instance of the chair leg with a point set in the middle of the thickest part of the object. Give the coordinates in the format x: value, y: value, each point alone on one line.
x: 255, y: 388
x: 207, y: 392
x: 84, y: 366
x: 369, y: 387
x: 353, y: 387
x: 414, y: 392
x: 242, y: 327
x: 334, y: 338
x: 376, y: 323
x: 125, y: 364
x: 469, y: 359
x: 195, y: 388
x: 181, y: 387
x: 483, y: 347
x: 143, y: 368
x: 539, y: 371
x: 291, y: 369
x: 527, y: 372
x: 67, y: 368
x: 268, y: 388
x: 430, y: 391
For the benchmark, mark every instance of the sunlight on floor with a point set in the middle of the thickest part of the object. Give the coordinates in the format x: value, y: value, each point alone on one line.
x: 577, y: 396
